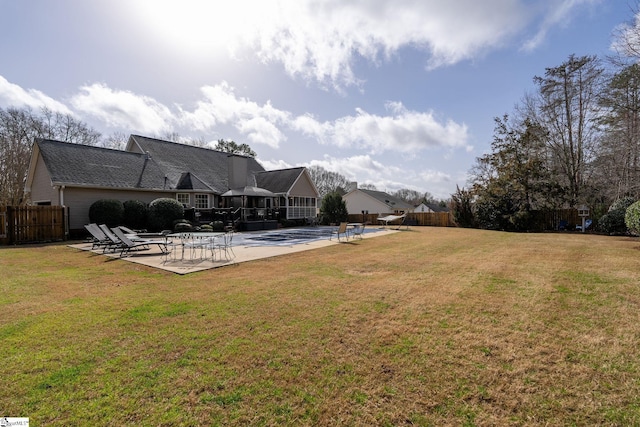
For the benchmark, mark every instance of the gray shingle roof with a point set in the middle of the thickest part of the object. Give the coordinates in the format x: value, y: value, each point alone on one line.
x: 278, y: 181
x: 209, y: 166
x: 162, y: 165
x: 387, y: 199
x: 83, y: 165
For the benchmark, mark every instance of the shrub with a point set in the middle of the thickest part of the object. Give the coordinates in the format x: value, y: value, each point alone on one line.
x: 107, y: 211
x: 135, y: 214
x: 462, y: 208
x: 182, y: 227
x: 613, y: 222
x: 217, y: 225
x: 163, y: 212
x: 333, y: 209
x: 632, y: 218
x: 622, y: 203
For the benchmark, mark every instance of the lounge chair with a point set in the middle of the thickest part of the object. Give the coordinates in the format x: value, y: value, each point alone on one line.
x: 587, y: 224
x: 115, y: 242
x: 127, y: 230
x: 126, y: 244
x: 98, y: 238
x: 342, y: 230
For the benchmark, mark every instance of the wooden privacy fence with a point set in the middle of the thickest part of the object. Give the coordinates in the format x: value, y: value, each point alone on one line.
x: 435, y: 219
x: 31, y: 224
x: 553, y: 220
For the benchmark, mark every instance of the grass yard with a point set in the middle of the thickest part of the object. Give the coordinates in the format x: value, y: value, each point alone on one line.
x: 431, y: 326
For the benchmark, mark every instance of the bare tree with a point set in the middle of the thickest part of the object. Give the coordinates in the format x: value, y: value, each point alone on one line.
x: 326, y: 181
x: 115, y: 141
x: 19, y: 127
x: 619, y: 155
x: 626, y: 37
x: 568, y: 110
x: 412, y: 197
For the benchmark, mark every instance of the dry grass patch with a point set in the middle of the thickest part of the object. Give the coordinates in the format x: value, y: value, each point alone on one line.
x: 431, y: 326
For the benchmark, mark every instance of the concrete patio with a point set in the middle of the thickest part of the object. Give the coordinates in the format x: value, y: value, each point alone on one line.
x: 243, y: 252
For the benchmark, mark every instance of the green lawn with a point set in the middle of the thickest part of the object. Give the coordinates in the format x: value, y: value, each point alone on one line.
x: 431, y: 326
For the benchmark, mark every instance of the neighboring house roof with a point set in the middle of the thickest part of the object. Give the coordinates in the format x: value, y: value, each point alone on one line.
x: 83, y: 165
x: 279, y: 181
x: 389, y: 200
x: 209, y: 166
x: 437, y: 208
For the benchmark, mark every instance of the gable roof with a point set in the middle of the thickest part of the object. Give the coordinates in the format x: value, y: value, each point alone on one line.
x: 84, y: 165
x: 152, y: 164
x: 189, y: 181
x: 389, y: 200
x: 436, y: 207
x: 209, y: 166
x: 279, y: 181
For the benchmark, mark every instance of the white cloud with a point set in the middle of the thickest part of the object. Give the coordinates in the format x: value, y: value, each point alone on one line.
x: 261, y: 131
x: 123, y: 109
x: 221, y: 106
x: 274, y: 164
x: 12, y: 95
x: 558, y: 15
x: 319, y: 40
x: 404, y: 131
x: 366, y: 170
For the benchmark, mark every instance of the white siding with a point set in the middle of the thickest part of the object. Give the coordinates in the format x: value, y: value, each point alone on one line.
x: 303, y: 188
x: 41, y: 189
x: 357, y: 201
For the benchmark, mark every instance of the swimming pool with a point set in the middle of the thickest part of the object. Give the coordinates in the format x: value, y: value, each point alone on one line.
x: 287, y: 236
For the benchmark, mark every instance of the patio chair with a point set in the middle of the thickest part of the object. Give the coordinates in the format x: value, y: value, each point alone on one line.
x: 224, y: 246
x: 177, y: 245
x: 115, y: 242
x: 587, y: 224
x: 193, y: 243
x: 98, y: 238
x: 358, y: 230
x: 127, y: 230
x: 127, y: 244
x: 341, y: 231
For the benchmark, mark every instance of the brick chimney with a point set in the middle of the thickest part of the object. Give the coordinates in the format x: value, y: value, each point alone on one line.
x: 238, y: 168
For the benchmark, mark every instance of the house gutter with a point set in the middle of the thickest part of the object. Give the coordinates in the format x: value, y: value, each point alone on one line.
x: 60, y: 189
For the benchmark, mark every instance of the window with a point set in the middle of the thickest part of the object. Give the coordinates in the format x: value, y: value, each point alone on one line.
x: 202, y: 201
x: 183, y: 198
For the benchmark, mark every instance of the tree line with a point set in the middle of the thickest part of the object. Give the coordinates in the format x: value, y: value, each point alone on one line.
x: 573, y: 141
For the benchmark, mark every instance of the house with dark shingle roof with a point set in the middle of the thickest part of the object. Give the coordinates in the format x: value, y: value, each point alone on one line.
x: 76, y: 176
x: 360, y: 199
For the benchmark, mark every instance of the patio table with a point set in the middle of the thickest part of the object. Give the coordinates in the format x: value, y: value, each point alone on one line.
x: 194, y: 241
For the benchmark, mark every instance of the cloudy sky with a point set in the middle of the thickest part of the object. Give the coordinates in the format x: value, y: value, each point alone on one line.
x: 398, y: 94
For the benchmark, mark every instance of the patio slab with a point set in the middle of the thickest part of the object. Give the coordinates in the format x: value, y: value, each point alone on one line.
x: 243, y: 253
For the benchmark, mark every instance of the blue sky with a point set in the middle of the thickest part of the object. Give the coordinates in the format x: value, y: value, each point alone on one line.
x: 398, y: 94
